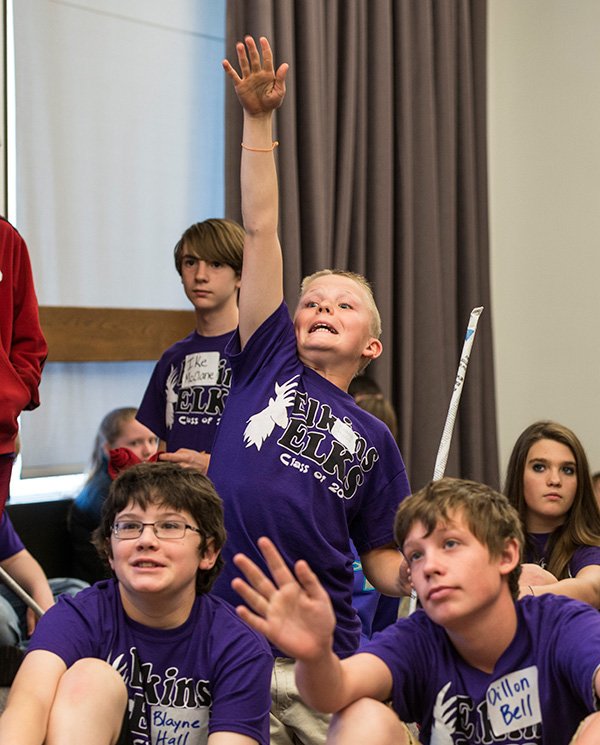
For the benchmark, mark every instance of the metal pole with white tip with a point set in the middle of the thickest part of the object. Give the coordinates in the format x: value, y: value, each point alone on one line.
x: 444, y: 448
x: 20, y: 592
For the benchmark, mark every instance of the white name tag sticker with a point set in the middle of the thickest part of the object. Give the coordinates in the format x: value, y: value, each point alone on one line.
x: 201, y: 368
x: 513, y: 701
x: 345, y: 435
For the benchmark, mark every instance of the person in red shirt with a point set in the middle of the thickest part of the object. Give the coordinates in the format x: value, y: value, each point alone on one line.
x: 23, y: 348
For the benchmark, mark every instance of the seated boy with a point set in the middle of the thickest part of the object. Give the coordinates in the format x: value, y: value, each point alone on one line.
x: 294, y: 457
x: 186, y: 394
x: 147, y: 657
x: 473, y: 666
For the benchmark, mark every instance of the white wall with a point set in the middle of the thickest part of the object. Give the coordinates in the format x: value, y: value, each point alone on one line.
x: 544, y: 158
x: 119, y: 140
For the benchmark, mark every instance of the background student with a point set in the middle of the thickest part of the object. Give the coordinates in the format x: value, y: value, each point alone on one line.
x: 118, y: 429
x: 596, y: 485
x: 548, y: 482
x: 186, y: 394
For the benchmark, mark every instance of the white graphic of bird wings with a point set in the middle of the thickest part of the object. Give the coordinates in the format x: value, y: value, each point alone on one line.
x: 120, y: 665
x: 171, y: 398
x: 260, y: 425
x: 444, y: 718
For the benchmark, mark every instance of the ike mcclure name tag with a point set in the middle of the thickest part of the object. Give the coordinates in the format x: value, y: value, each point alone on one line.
x: 201, y: 368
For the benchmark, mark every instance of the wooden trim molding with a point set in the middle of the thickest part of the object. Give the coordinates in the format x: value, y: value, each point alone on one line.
x: 111, y: 334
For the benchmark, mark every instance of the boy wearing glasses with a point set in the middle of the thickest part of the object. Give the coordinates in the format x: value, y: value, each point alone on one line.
x: 147, y: 657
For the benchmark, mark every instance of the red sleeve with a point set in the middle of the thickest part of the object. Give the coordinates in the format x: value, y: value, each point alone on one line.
x: 23, y: 348
x: 28, y: 350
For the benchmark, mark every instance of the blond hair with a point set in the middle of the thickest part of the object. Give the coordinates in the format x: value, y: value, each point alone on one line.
x: 362, y: 282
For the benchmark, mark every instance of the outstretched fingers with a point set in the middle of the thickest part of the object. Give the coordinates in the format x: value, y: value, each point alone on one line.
x: 231, y: 71
x: 309, y: 581
x: 249, y: 59
x: 244, y: 64
x: 279, y: 570
x: 257, y: 583
x: 253, y: 54
x: 267, y: 54
x: 259, y: 89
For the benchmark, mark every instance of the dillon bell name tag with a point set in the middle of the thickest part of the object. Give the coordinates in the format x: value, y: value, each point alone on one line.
x: 345, y: 435
x: 201, y: 368
x: 513, y: 701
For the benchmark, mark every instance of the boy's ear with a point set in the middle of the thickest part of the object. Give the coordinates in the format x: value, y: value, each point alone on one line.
x: 510, y: 557
x: 209, y: 555
x: 373, y: 349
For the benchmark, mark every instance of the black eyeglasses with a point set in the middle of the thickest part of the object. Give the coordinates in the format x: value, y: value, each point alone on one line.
x: 126, y: 530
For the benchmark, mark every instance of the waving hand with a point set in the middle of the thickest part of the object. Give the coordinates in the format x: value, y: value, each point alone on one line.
x: 294, y: 612
x: 259, y: 88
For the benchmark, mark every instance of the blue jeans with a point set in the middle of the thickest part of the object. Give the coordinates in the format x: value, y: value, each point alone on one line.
x: 13, y: 611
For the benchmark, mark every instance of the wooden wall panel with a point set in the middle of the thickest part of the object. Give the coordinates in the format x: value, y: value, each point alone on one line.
x: 111, y: 334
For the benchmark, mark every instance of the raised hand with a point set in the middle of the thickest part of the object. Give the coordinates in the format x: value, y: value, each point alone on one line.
x: 294, y: 612
x: 260, y: 89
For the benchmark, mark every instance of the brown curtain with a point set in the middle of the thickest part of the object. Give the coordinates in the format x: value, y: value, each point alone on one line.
x: 382, y: 169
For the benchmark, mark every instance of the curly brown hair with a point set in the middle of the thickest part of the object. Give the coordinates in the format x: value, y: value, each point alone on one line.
x: 167, y: 485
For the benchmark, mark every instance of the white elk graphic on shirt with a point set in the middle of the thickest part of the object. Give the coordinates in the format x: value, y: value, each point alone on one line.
x: 261, y: 425
x: 444, y: 718
x: 171, y: 398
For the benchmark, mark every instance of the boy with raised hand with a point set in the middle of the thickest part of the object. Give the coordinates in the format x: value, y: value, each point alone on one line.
x: 294, y: 457
x: 473, y: 666
x: 186, y: 394
x: 149, y: 657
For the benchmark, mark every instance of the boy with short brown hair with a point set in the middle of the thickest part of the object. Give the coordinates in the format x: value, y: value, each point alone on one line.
x: 188, y: 388
x: 473, y: 666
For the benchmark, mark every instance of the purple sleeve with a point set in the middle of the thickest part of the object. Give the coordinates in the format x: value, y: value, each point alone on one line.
x: 10, y: 543
x: 584, y: 556
x: 151, y: 412
x: 70, y: 629
x: 28, y: 348
x: 577, y: 649
x: 241, y: 695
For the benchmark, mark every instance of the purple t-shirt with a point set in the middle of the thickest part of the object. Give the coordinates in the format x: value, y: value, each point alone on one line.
x: 186, y: 394
x: 540, y: 690
x: 211, y: 674
x: 10, y: 543
x: 582, y: 557
x: 297, y: 460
